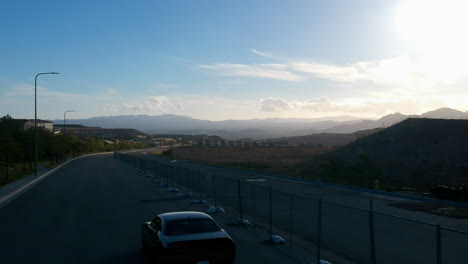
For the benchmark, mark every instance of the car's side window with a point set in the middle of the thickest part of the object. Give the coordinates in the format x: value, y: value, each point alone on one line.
x: 156, y: 224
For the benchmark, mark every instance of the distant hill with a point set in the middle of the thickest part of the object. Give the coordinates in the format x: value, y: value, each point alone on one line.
x: 384, y: 121
x: 325, y: 139
x: 446, y: 113
x: 389, y: 120
x: 229, y: 129
x: 416, y: 152
x: 98, y: 132
x: 255, y: 129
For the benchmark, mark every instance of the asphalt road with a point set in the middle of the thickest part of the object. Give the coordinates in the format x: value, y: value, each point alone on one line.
x: 91, y: 211
x: 345, y: 231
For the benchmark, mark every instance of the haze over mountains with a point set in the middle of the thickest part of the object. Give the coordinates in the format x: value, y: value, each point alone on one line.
x: 255, y: 128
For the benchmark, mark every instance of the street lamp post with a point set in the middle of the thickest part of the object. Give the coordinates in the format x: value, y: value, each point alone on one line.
x: 35, y: 117
x: 64, y: 115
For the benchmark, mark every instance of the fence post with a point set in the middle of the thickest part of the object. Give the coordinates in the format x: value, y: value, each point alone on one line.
x: 167, y: 175
x: 186, y: 181
x: 240, y: 199
x: 214, y: 190
x: 253, y: 204
x: 439, y: 246
x: 319, y: 230
x: 171, y: 175
x: 200, y: 189
x: 290, y: 223
x: 271, y: 214
x: 371, y: 232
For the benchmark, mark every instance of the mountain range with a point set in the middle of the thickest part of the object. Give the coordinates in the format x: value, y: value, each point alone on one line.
x: 256, y: 128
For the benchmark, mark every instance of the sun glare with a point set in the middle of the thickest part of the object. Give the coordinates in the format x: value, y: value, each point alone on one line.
x: 434, y: 26
x: 434, y: 31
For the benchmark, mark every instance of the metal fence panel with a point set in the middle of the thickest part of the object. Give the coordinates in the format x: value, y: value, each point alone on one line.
x: 227, y: 195
x: 313, y: 228
x: 345, y: 231
x: 207, y: 184
x: 248, y: 201
x: 403, y: 241
x: 282, y: 216
x: 454, y: 247
x: 262, y: 210
x: 305, y: 225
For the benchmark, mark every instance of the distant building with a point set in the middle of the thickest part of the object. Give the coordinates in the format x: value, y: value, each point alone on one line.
x: 163, y: 141
x: 98, y: 132
x: 44, y: 124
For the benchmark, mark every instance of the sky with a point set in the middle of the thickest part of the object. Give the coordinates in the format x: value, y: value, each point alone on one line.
x: 221, y: 60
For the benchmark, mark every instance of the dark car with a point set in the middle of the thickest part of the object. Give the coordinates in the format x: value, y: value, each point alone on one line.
x: 189, y: 237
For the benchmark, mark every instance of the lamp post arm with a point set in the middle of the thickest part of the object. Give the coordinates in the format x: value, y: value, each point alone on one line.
x: 35, y: 118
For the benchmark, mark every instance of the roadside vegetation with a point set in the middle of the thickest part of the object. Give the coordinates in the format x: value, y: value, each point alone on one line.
x: 17, y: 148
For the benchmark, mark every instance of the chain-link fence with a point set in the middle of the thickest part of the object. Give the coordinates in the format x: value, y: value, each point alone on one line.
x: 312, y: 229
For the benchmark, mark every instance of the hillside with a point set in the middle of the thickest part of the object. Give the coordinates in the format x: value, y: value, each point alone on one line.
x: 416, y: 152
x: 391, y: 119
x: 98, y: 132
x: 325, y: 139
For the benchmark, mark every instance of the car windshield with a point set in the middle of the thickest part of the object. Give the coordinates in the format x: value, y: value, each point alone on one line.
x: 190, y: 226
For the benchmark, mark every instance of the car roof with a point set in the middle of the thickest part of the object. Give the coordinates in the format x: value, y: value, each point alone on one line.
x: 183, y: 215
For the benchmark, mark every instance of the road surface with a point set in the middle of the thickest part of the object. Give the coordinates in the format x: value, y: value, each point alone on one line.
x: 91, y: 211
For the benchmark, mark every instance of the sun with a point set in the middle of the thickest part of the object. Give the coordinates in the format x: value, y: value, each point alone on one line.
x: 436, y: 27
x: 434, y: 37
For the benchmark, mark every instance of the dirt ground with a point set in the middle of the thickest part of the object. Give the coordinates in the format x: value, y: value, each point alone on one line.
x: 273, y: 160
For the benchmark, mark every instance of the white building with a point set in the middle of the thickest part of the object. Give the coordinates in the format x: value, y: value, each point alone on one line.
x: 44, y: 124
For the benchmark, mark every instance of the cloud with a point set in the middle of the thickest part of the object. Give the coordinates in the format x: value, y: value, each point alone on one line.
x: 154, y: 104
x: 356, y: 106
x: 321, y: 104
x: 112, y: 92
x: 335, y: 73
x: 136, y: 108
x: 403, y: 71
x: 111, y: 108
x: 264, y: 54
x: 269, y: 71
x: 271, y: 104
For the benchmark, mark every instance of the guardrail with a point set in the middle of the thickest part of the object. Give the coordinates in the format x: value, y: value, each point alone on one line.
x: 314, y: 230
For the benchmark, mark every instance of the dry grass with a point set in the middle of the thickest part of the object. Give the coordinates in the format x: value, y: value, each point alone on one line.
x: 17, y: 171
x: 273, y: 160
